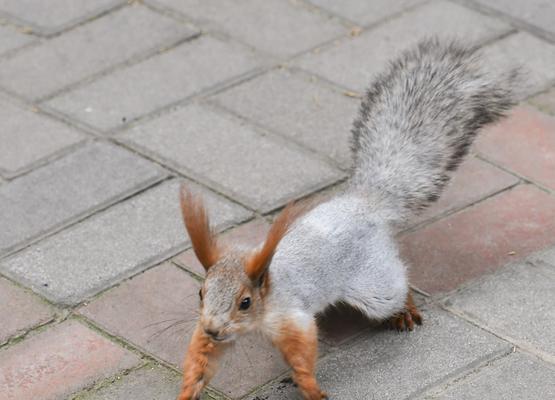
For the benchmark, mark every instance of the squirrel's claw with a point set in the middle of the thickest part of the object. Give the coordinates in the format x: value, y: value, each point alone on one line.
x: 406, y: 320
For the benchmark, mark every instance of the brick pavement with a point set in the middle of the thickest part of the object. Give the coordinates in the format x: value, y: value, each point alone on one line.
x: 106, y: 106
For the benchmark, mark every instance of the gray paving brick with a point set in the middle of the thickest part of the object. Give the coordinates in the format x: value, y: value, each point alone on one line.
x: 91, y: 48
x: 547, y: 256
x: 28, y: 138
x: 517, y: 303
x: 148, y: 383
x: 388, y: 365
x: 11, y: 39
x: 536, y: 57
x: 545, y: 101
x: 275, y: 26
x: 540, y: 13
x: 50, y: 16
x: 175, y: 75
x: 366, y: 12
x: 296, y: 107
x: 82, y: 260
x: 259, y: 170
x: 517, y: 376
x: 67, y: 189
x: 353, y: 61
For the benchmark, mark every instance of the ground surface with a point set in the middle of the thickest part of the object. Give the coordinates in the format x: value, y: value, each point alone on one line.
x: 107, y: 105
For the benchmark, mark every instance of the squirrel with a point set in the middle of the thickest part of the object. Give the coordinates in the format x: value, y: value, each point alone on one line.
x: 415, y: 125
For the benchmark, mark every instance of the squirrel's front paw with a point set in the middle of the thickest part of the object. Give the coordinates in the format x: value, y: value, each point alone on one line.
x: 185, y: 396
x: 316, y: 394
x: 189, y: 393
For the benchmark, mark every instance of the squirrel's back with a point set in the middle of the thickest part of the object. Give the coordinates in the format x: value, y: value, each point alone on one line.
x: 417, y: 121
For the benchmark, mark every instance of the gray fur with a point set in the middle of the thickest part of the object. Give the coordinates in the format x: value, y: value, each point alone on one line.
x: 327, y: 258
x: 222, y: 286
x: 416, y: 123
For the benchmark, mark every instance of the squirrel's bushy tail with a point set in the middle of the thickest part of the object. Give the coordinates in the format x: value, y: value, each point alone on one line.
x: 417, y: 121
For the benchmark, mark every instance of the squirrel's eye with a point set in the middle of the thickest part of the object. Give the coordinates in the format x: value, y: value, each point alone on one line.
x: 245, y: 303
x: 200, y: 294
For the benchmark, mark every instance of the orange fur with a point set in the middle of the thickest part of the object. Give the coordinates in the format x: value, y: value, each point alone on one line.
x: 200, y: 364
x: 197, y: 224
x: 257, y: 263
x: 300, y: 350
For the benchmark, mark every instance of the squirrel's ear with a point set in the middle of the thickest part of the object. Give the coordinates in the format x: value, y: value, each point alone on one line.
x: 196, y: 221
x: 257, y: 263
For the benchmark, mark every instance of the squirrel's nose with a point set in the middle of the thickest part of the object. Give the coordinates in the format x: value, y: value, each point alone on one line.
x: 212, y: 332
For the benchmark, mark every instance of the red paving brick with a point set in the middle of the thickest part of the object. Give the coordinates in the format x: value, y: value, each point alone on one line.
x: 473, y: 181
x: 251, y: 363
x: 250, y: 235
x: 480, y: 239
x: 523, y: 143
x: 20, y: 311
x: 136, y: 310
x: 59, y: 362
x: 140, y: 309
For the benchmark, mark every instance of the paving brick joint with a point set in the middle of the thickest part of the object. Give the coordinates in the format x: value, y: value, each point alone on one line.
x: 108, y: 107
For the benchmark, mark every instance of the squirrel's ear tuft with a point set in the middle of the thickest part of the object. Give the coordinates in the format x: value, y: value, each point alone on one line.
x: 196, y: 221
x: 257, y: 263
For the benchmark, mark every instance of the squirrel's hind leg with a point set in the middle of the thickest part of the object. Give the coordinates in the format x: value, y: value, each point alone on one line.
x: 405, y: 320
x: 396, y: 307
x: 298, y: 343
